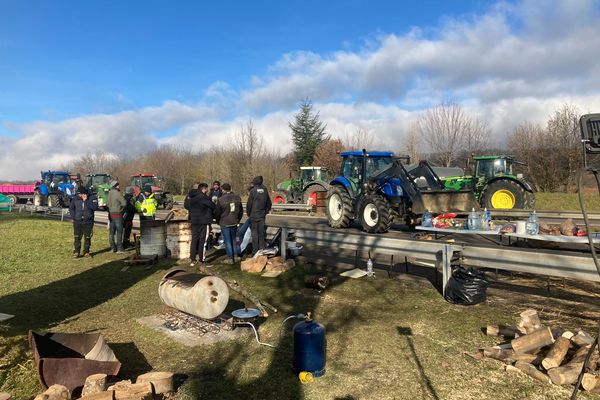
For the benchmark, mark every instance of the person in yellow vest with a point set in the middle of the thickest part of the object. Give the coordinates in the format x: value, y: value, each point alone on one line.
x: 146, y: 204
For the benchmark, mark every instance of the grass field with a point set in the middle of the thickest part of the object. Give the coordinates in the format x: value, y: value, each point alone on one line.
x: 387, y: 338
x: 565, y: 201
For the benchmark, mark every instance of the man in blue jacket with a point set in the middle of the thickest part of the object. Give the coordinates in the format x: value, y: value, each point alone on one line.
x: 82, y: 210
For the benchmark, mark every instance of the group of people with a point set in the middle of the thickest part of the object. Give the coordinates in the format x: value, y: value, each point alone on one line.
x: 121, y: 210
x: 221, y: 204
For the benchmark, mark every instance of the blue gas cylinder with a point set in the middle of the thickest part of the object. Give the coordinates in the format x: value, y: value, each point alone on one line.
x: 310, y: 347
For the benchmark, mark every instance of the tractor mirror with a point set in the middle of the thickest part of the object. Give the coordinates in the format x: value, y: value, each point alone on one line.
x: 590, y: 132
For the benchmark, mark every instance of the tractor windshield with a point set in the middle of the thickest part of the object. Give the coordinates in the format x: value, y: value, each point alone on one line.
x: 313, y: 174
x: 377, y: 164
x: 492, y: 167
x: 96, y: 180
x: 56, y: 179
x: 145, y: 180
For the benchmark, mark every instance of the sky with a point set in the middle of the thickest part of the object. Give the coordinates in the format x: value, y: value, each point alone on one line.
x: 119, y: 77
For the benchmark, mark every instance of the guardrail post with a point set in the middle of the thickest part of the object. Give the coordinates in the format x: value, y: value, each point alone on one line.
x: 62, y: 215
x: 283, y: 245
x: 446, y: 261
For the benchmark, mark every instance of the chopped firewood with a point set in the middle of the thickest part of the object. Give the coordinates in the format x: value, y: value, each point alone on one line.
x: 162, y: 382
x: 590, y: 381
x: 94, y: 384
x: 530, y: 321
x: 141, y: 391
x: 499, y: 354
x: 55, y: 392
x: 557, y: 353
x: 108, y: 395
x: 5, y: 396
x: 582, y: 339
x: 508, y: 331
x: 533, y: 341
x: 532, y: 371
x: 568, y: 373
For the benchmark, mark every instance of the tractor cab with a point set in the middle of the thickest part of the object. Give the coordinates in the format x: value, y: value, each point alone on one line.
x: 94, y: 181
x: 164, y: 199
x: 358, y: 166
x: 488, y: 167
x: 309, y: 174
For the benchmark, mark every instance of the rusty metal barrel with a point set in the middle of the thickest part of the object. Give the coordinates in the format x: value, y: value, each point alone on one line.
x: 153, y: 238
x: 200, y: 295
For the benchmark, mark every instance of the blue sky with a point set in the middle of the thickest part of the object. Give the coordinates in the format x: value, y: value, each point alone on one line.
x: 78, y: 77
x: 60, y: 59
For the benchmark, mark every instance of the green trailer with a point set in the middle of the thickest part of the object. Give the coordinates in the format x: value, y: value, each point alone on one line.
x: 495, y: 183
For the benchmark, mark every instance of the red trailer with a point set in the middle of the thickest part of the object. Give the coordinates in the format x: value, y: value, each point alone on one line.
x: 17, y: 192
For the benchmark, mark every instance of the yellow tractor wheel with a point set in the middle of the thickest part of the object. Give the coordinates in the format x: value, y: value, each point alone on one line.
x: 506, y: 194
x: 503, y: 199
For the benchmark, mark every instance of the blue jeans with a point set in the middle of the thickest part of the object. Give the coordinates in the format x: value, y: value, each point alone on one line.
x: 116, y: 229
x: 229, y: 237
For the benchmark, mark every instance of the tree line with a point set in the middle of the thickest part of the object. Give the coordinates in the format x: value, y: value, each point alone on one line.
x: 445, y: 135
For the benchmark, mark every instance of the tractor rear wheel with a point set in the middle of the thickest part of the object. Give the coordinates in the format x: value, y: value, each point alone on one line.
x: 375, y: 214
x: 280, y: 197
x: 339, y: 208
x: 310, y: 194
x: 53, y: 200
x: 506, y: 194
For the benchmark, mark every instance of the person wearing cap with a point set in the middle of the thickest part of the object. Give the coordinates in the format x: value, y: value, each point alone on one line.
x: 201, y: 210
x: 215, y: 192
x: 228, y: 214
x: 146, y: 204
x: 81, y: 210
x: 128, y: 214
x: 257, y: 208
x: 116, y: 204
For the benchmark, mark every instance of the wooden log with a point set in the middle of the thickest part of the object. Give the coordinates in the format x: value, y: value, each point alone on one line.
x: 582, y: 339
x: 94, y: 384
x: 532, y: 371
x: 140, y: 391
x: 532, y: 341
x: 499, y: 354
x: 55, y: 392
x: 108, y: 395
x: 233, y: 285
x: 592, y: 365
x: 557, y: 353
x: 5, y: 396
x: 567, y: 374
x: 530, y: 321
x: 567, y: 334
x: 509, y: 331
x: 528, y: 358
x: 162, y: 382
x: 580, y: 355
x: 590, y: 381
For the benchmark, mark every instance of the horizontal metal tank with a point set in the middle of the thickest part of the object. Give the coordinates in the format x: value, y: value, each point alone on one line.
x: 310, y: 347
x: 200, y: 295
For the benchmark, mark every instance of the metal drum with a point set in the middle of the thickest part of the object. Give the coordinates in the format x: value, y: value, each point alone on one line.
x: 153, y: 239
x: 310, y: 347
x: 203, y: 296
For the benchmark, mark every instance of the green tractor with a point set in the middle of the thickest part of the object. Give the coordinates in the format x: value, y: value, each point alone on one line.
x: 100, y: 185
x: 495, y: 184
x: 302, y: 190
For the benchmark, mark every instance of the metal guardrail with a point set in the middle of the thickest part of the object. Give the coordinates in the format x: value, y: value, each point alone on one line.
x: 278, y: 207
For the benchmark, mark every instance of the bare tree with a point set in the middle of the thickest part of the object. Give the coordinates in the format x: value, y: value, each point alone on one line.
x: 327, y: 155
x: 413, y: 144
x: 360, y: 138
x: 449, y: 131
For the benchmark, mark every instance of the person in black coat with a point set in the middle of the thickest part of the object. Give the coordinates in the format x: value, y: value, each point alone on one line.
x: 82, y: 208
x: 201, y: 210
x: 257, y: 208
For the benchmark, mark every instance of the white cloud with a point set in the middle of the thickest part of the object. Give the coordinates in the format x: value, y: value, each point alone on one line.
x: 515, y: 62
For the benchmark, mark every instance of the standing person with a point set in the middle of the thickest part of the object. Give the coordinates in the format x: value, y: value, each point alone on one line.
x: 82, y: 209
x: 128, y: 214
x: 228, y: 213
x: 116, y: 205
x: 201, y: 210
x: 257, y: 208
x: 146, y: 204
x: 215, y: 192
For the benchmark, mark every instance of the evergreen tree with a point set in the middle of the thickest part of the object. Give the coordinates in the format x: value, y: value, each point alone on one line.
x: 308, y: 132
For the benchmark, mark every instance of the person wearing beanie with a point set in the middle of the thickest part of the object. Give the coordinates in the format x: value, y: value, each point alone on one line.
x: 81, y: 210
x: 228, y: 214
x: 116, y: 205
x: 146, y: 204
x: 128, y: 214
x: 215, y: 192
x: 201, y: 210
x: 257, y: 208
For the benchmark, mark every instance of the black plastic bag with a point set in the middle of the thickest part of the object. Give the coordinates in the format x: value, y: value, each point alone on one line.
x: 466, y: 287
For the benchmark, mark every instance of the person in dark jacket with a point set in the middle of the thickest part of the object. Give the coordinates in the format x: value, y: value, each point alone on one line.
x: 201, y: 210
x: 257, y: 208
x: 128, y: 214
x: 228, y: 214
x: 116, y: 203
x: 82, y: 209
x: 215, y: 192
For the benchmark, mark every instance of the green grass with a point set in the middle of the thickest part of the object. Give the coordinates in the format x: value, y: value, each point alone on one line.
x: 565, y: 201
x: 387, y: 338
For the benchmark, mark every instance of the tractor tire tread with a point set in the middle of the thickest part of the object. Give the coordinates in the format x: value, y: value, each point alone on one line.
x: 383, y: 209
x: 347, y: 217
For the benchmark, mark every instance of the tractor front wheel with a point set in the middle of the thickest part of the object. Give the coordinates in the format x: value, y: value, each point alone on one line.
x: 507, y: 194
x: 339, y: 208
x: 53, y: 200
x: 279, y: 198
x: 375, y: 214
x: 38, y: 199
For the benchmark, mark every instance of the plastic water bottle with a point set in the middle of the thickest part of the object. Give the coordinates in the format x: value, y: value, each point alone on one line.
x: 427, y: 219
x: 370, y: 272
x: 533, y: 226
x: 472, y: 220
x: 487, y: 218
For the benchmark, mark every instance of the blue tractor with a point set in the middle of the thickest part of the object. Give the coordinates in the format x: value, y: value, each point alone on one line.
x: 55, y: 189
x: 377, y: 189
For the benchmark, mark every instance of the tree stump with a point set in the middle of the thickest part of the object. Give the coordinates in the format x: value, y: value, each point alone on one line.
x: 533, y: 341
x: 140, y: 391
x: 55, y: 392
x: 557, y: 353
x: 162, y: 382
x: 94, y: 384
x: 590, y: 381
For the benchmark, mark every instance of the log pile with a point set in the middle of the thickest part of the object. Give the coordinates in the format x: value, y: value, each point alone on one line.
x: 258, y: 264
x: 179, y: 237
x: 150, y: 386
x: 548, y: 355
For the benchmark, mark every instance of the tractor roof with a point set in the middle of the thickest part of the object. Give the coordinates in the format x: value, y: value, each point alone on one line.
x: 369, y: 153
x: 311, y: 167
x: 56, y: 172
x: 492, y: 157
x: 98, y: 175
